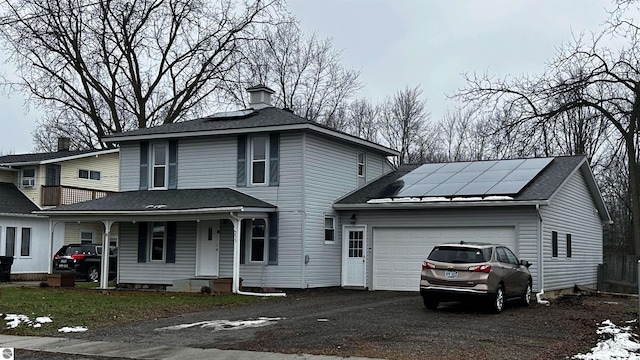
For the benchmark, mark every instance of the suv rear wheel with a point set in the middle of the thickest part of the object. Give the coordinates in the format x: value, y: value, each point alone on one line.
x: 93, y: 274
x: 430, y: 303
x: 497, y: 299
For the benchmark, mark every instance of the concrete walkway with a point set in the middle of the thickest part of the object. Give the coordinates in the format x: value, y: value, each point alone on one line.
x: 135, y: 351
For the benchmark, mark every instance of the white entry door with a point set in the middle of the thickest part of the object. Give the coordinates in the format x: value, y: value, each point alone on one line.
x: 354, y: 256
x: 207, y: 249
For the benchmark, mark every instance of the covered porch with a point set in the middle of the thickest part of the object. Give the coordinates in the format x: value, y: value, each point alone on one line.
x: 173, y: 232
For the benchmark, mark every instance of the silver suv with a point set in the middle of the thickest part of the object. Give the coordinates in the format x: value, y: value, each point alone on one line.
x: 461, y: 271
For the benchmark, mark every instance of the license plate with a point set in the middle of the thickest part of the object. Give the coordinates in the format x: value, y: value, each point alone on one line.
x: 63, y: 261
x: 63, y: 266
x: 451, y: 274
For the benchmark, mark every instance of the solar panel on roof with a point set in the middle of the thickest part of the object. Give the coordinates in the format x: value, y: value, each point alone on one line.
x: 503, y: 177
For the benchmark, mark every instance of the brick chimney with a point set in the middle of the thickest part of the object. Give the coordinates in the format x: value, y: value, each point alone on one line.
x: 259, y: 96
x: 63, y: 143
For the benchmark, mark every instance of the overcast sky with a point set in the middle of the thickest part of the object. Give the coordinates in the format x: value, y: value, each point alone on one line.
x: 397, y: 43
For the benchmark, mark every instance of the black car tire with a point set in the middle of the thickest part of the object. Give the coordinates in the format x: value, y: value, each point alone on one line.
x: 430, y: 303
x: 526, y: 297
x: 93, y: 274
x: 497, y: 300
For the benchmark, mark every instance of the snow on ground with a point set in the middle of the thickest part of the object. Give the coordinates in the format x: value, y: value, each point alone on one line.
x: 218, y: 325
x: 617, y: 342
x: 15, y: 320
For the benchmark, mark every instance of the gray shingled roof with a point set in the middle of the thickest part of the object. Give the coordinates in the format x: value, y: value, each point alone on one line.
x: 540, y: 188
x: 181, y: 199
x: 14, y: 201
x: 270, y: 116
x: 33, y: 158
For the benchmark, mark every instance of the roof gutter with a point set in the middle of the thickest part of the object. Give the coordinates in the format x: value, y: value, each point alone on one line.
x: 431, y: 205
x: 153, y: 212
x: 64, y: 158
x: 311, y: 127
x: 23, y: 215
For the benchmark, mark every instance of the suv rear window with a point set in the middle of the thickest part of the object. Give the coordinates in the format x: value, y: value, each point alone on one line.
x: 87, y: 250
x: 458, y: 254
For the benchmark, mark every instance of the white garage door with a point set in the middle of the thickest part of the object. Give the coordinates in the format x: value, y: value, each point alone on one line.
x: 398, y: 253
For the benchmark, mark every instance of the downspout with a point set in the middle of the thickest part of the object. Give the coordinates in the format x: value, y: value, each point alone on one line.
x: 540, y: 259
x: 235, y: 285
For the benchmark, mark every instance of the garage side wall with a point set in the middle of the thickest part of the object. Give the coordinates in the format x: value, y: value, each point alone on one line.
x: 524, y: 220
x: 572, y: 211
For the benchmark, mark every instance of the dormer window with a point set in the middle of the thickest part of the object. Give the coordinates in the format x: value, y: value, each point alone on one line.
x: 259, y: 160
x: 28, y: 178
x: 159, y: 161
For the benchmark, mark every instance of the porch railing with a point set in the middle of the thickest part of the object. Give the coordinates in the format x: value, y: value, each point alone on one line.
x: 65, y: 195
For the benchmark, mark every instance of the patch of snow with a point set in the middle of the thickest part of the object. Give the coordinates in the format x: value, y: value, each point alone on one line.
x: 467, y: 198
x: 323, y: 320
x: 434, y: 199
x: 67, y: 329
x: 617, y: 342
x: 15, y: 320
x: 380, y: 201
x: 406, y: 199
x: 43, y: 319
x: 497, y: 198
x: 218, y: 325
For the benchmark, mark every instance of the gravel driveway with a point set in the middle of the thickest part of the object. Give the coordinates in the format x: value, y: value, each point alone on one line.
x: 392, y: 325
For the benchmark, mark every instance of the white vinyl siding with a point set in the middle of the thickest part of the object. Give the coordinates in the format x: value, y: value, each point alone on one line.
x: 37, y: 262
x: 572, y: 211
x: 522, y: 219
x: 330, y: 172
x: 130, y: 271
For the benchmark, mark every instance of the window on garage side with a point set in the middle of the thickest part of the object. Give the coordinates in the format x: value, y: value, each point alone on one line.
x: 87, y: 236
x: 329, y: 228
x: 25, y: 242
x: 554, y: 244
x: 568, y: 245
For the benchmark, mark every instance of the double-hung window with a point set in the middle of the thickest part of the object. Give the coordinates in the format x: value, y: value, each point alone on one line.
x: 258, y: 228
x: 159, y: 161
x: 25, y: 242
x: 158, y: 241
x: 87, y: 236
x: 10, y: 241
x: 329, y: 229
x: 88, y: 174
x: 259, y: 169
x: 28, y: 177
x: 361, y: 164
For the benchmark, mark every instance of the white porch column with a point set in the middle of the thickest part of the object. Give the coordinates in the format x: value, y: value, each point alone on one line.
x: 104, y: 272
x: 52, y: 229
x: 235, y: 285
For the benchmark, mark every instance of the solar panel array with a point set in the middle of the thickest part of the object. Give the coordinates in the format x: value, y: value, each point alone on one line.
x: 479, y: 178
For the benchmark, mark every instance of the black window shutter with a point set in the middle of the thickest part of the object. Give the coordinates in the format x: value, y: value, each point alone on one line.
x: 144, y: 165
x: 242, y: 161
x: 273, y: 239
x: 274, y: 159
x: 243, y: 240
x: 173, y: 164
x: 143, y: 228
x: 171, y: 241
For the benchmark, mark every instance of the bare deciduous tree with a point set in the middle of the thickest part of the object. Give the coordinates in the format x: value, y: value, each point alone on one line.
x: 404, y: 122
x: 106, y: 66
x: 305, y: 72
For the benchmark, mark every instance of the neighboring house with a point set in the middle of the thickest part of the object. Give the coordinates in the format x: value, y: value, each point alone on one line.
x: 548, y: 210
x: 246, y: 194
x: 46, y: 180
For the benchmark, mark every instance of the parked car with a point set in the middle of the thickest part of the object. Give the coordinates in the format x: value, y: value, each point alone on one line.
x: 463, y: 271
x: 84, y: 260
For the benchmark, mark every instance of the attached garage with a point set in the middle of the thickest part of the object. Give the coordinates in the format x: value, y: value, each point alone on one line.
x: 398, y: 253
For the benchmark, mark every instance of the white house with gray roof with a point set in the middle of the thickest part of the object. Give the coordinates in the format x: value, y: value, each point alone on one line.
x: 278, y: 201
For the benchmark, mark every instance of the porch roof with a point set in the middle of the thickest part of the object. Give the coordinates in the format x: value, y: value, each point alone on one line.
x: 162, y: 202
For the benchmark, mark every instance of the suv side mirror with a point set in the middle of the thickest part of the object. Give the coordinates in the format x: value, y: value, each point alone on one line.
x: 525, y: 263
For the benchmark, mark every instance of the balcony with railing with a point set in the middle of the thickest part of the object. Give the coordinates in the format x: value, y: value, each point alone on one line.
x: 65, y: 195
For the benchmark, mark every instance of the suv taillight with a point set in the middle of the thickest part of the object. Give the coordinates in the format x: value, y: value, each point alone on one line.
x: 427, y: 265
x: 56, y: 257
x: 77, y: 256
x: 485, y: 268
